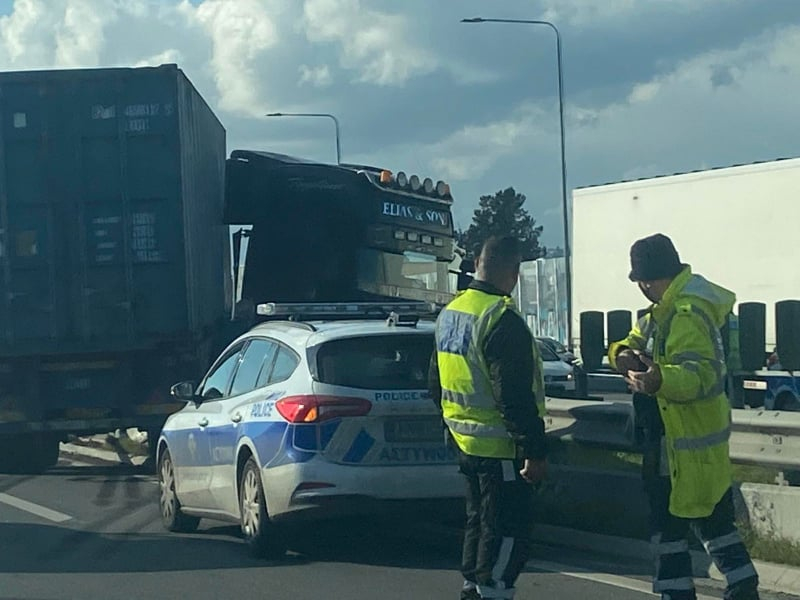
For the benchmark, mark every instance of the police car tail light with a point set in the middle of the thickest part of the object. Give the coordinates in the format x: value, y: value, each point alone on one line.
x: 313, y: 408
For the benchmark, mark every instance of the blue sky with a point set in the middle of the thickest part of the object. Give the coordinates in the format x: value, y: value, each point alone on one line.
x: 651, y: 86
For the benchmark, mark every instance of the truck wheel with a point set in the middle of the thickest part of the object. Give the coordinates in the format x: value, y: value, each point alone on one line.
x: 787, y: 401
x: 172, y: 516
x: 29, y: 454
x: 49, y: 451
x: 149, y: 464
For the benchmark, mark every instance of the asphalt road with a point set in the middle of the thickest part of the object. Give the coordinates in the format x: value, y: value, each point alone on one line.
x: 93, y: 531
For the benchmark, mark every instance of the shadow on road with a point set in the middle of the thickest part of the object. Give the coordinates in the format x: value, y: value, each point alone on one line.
x: 415, y: 540
x: 39, y: 548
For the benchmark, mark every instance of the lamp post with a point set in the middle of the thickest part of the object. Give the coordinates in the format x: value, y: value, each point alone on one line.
x: 564, y: 204
x: 325, y: 115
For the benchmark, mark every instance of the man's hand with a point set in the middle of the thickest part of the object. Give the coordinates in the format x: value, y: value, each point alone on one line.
x: 647, y: 382
x: 628, y: 360
x: 534, y: 470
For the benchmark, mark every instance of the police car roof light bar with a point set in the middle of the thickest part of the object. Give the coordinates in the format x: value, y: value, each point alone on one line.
x: 313, y: 310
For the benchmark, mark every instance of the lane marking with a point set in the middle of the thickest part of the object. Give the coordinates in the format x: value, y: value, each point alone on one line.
x: 34, y: 509
x: 627, y: 583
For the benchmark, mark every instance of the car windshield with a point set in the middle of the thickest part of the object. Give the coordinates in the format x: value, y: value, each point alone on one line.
x: 376, y: 362
x: 410, y: 275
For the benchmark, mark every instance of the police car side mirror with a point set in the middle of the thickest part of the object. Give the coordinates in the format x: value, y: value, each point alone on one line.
x: 184, y: 391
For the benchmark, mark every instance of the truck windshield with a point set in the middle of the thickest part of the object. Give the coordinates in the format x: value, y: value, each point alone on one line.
x: 410, y: 275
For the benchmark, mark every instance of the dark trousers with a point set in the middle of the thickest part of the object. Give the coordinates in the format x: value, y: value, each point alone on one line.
x: 498, y: 524
x: 721, y: 539
x: 717, y: 532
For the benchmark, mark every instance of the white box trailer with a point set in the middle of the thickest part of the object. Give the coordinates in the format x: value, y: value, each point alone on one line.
x: 737, y: 226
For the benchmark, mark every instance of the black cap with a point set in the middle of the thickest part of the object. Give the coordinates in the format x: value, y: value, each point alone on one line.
x: 654, y: 258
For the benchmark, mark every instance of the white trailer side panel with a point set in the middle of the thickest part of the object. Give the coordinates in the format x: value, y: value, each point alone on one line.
x: 737, y: 226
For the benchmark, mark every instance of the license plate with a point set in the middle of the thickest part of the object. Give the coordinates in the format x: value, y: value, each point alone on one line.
x: 413, y: 430
x: 755, y: 385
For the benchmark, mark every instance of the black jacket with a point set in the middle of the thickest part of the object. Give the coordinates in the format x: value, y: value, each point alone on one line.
x: 509, y: 355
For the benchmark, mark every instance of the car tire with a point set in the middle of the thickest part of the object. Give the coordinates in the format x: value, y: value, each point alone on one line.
x: 172, y: 517
x: 263, y: 539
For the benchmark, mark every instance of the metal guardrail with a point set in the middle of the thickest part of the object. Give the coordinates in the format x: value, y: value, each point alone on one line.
x: 759, y: 437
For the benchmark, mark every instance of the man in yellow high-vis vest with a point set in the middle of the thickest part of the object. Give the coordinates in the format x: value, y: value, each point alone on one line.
x: 486, y: 375
x: 676, y: 355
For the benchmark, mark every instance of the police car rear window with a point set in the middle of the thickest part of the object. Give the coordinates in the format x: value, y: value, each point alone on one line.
x: 396, y: 362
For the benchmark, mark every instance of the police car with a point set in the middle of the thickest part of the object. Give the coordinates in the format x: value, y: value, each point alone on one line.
x: 296, y: 415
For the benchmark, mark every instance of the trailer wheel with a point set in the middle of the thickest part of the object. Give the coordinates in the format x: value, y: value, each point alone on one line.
x: 787, y: 401
x: 28, y: 453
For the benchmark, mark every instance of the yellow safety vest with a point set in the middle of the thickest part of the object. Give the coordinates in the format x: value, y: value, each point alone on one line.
x: 687, y: 346
x: 468, y: 402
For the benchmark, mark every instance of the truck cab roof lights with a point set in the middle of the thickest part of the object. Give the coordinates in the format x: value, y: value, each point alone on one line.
x: 355, y: 310
x: 402, y: 179
x: 415, y: 183
x: 427, y: 185
x: 386, y: 176
x: 442, y: 188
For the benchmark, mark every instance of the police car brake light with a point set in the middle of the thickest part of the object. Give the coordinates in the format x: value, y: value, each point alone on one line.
x: 313, y: 408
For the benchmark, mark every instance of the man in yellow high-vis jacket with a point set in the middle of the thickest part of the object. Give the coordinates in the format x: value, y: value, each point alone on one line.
x: 675, y: 354
x: 486, y: 375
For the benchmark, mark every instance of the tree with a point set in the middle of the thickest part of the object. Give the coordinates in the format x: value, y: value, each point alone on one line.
x: 502, y: 214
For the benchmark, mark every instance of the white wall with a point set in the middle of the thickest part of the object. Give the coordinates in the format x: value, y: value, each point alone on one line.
x: 737, y: 226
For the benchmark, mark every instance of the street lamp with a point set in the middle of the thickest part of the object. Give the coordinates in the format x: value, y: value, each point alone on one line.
x: 567, y: 253
x: 327, y: 116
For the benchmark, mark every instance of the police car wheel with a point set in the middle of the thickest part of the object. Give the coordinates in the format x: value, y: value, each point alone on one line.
x: 172, y: 516
x: 262, y: 537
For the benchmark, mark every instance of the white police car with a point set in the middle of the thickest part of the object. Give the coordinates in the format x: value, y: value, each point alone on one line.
x: 297, y: 415
x: 559, y: 376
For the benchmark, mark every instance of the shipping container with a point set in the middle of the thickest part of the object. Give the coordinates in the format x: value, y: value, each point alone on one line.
x: 111, y: 199
x: 114, y: 259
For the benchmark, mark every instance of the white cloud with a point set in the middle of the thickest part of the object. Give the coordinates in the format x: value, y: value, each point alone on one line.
x: 642, y: 92
x: 80, y: 35
x: 373, y: 43
x: 240, y: 32
x: 169, y: 56
x: 316, y: 76
x: 471, y: 152
x: 590, y: 12
x: 662, y: 121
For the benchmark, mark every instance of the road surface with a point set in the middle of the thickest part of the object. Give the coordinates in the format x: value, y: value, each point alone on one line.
x: 92, y: 531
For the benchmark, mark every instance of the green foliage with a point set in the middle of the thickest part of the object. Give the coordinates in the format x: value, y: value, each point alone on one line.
x: 502, y: 214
